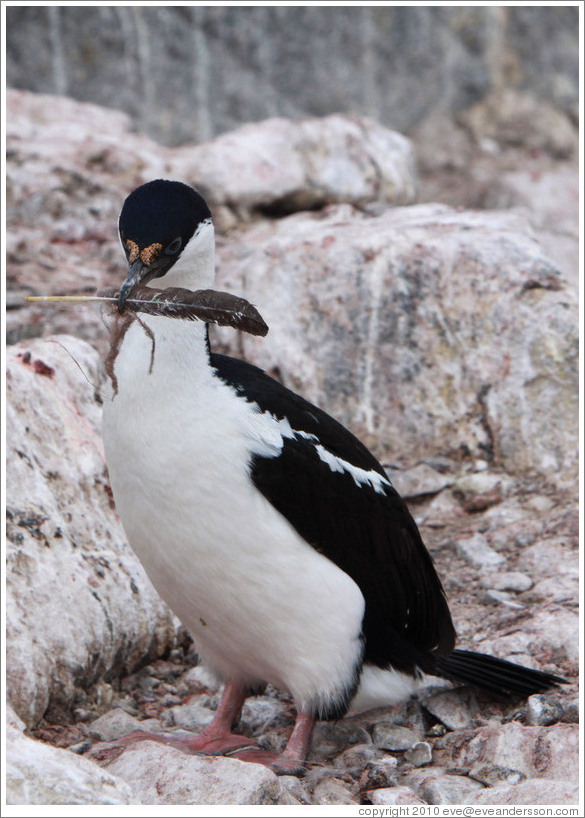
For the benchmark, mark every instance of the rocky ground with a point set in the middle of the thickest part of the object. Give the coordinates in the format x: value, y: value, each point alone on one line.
x: 383, y: 291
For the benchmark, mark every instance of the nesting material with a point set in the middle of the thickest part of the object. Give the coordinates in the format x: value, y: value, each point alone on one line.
x: 211, y: 306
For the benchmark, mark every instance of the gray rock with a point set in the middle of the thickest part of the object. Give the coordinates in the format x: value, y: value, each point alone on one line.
x: 358, y: 755
x: 543, y: 710
x: 492, y: 774
x: 296, y: 788
x: 333, y: 791
x: 116, y: 723
x: 418, y: 481
x: 532, y: 752
x: 38, y: 773
x: 246, y: 64
x: 394, y: 795
x: 450, y: 789
x: 477, y: 552
x: 419, y: 754
x: 379, y: 773
x: 390, y: 737
x: 478, y: 483
x: 507, y: 581
x: 163, y: 775
x: 189, y: 716
x: 492, y: 597
x: 454, y: 708
x: 571, y: 710
x: 535, y: 791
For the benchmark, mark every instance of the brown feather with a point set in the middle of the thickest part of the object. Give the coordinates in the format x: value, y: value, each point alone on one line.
x: 211, y: 306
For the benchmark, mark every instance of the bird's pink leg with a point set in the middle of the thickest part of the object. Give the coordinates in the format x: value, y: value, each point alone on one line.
x: 291, y: 760
x: 216, y: 739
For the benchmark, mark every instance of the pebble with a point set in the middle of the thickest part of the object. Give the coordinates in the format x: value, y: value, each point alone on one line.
x: 543, y: 710
x: 454, y: 708
x: 476, y: 551
x: 379, y: 773
x: 394, y: 795
x: 358, y: 756
x: 507, y: 581
x: 296, y: 788
x: 116, y: 723
x: 492, y: 597
x: 478, y: 483
x: 420, y: 754
x: 450, y: 789
x: 419, y: 481
x: 333, y: 791
x: 390, y: 737
x: 571, y: 711
x: 191, y: 716
x: 492, y: 774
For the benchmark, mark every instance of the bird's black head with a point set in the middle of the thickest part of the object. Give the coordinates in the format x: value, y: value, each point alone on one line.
x: 156, y: 223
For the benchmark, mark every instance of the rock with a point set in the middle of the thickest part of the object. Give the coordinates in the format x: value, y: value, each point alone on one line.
x: 379, y: 773
x: 394, y: 795
x: 333, y: 791
x: 384, y: 323
x: 492, y: 597
x: 546, y: 632
x: 419, y: 754
x: 248, y: 64
x: 419, y: 481
x: 450, y: 789
x: 571, y: 711
x: 37, y: 773
x: 296, y: 788
x: 543, y: 710
x: 547, y: 196
x: 79, y: 604
x: 331, y: 738
x: 201, y: 676
x: 535, y: 791
x: 492, y: 774
x: 454, y: 708
x: 480, y: 482
x: 390, y: 737
x: 507, y: 581
x: 192, y: 716
x: 531, y: 752
x: 283, y: 166
x: 116, y: 723
x: 358, y: 756
x: 476, y: 551
x: 163, y: 775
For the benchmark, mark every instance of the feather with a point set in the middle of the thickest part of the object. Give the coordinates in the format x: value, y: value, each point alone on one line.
x: 211, y: 306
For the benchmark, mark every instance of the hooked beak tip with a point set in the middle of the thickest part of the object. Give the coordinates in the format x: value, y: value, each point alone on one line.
x: 135, y: 275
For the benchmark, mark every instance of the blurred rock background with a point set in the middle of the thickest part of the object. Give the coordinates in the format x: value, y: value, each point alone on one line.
x: 396, y: 189
x: 187, y: 74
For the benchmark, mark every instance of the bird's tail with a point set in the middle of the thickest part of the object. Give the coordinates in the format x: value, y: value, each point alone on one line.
x: 495, y: 676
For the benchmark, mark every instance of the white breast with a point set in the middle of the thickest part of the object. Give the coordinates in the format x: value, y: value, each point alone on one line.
x: 260, y: 603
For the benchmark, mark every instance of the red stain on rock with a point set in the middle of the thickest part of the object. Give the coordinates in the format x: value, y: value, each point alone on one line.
x: 41, y: 368
x: 38, y: 366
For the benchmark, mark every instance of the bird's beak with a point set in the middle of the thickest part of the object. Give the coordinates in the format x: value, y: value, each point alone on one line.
x: 137, y: 272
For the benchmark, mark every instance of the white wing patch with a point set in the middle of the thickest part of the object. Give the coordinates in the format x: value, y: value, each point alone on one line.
x: 281, y: 428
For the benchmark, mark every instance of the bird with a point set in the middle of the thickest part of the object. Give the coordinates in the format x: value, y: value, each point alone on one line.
x: 272, y: 532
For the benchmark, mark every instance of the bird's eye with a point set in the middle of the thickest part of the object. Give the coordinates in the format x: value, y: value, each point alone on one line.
x: 174, y: 247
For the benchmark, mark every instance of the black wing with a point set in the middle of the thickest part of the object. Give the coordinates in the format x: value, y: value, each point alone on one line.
x: 361, y: 525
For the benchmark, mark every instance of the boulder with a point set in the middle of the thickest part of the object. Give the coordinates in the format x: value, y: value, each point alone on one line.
x: 80, y: 608
x: 421, y: 328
